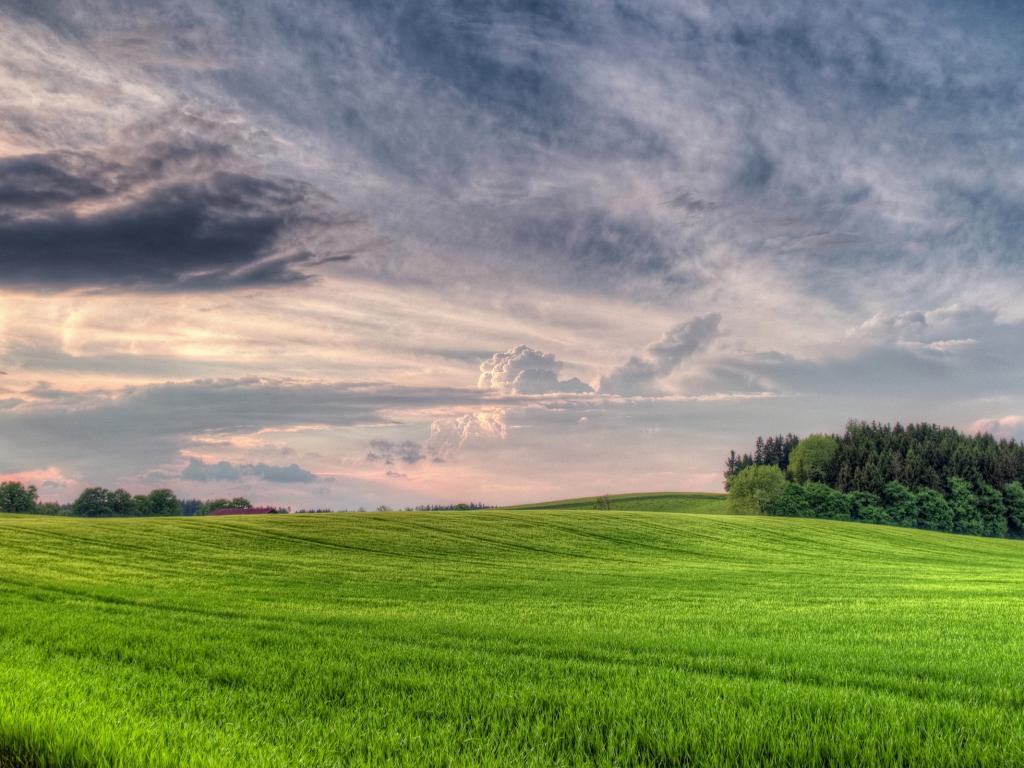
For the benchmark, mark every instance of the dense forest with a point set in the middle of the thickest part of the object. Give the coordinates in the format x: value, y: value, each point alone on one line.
x: 919, y: 475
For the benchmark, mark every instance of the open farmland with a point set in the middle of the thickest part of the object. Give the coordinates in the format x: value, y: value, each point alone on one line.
x: 526, y: 637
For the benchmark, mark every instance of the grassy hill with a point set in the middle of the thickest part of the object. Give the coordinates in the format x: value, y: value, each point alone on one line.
x: 506, y: 638
x: 697, y: 503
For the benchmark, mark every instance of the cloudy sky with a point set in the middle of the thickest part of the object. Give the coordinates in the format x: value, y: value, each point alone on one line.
x: 334, y: 254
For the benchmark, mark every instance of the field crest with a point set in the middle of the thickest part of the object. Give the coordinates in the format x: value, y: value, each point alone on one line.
x: 693, y: 503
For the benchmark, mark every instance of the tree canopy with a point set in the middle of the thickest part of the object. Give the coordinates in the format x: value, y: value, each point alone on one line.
x: 17, y: 497
x: 811, y: 459
x: 755, y: 489
x: 919, y: 475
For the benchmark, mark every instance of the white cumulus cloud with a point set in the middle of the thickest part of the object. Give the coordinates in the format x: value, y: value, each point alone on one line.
x: 523, y: 370
x: 449, y: 435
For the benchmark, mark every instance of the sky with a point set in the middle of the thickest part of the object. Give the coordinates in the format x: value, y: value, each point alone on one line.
x: 343, y: 254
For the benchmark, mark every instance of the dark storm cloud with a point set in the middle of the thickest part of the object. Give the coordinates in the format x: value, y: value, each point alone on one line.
x: 44, y: 180
x: 221, y: 232
x: 176, y: 212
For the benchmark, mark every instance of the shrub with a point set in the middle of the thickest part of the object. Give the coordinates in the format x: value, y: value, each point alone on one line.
x: 792, y: 503
x: 826, y: 502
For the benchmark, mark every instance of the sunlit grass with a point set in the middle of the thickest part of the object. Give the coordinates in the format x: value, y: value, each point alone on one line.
x: 506, y: 638
x: 699, y: 503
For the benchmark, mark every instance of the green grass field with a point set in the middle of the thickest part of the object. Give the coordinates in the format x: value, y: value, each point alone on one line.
x: 526, y: 637
x: 698, y: 503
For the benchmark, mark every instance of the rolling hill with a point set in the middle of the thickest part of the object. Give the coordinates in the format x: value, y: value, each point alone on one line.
x: 506, y: 637
x: 697, y: 503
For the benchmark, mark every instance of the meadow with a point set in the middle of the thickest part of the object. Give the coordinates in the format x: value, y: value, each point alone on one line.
x: 691, y: 503
x: 506, y: 637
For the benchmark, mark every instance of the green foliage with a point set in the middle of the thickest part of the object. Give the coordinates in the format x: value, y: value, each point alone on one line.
x: 827, y: 502
x: 792, y: 503
x: 986, y: 513
x: 756, y: 489
x: 973, y: 483
x: 870, y: 455
x: 933, y: 511
x: 93, y: 502
x: 162, y: 501
x: 964, y: 504
x: 209, y: 506
x: 518, y: 638
x: 992, y: 511
x: 239, y: 502
x: 773, y: 451
x: 900, y: 504
x: 867, y: 507
x: 100, y: 502
x: 1013, y: 495
x: 17, y: 497
x: 52, y: 508
x: 812, y: 459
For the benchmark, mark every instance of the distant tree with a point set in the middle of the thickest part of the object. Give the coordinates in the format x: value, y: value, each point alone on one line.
x: 811, y: 460
x: 122, y: 504
x: 52, y: 508
x: 240, y: 502
x: 1013, y: 498
x: 191, y: 507
x: 756, y: 489
x: 602, y: 502
x: 383, y: 508
x: 966, y: 515
x: 162, y: 501
x: 17, y: 497
x: 933, y: 511
x: 209, y: 506
x: 93, y: 502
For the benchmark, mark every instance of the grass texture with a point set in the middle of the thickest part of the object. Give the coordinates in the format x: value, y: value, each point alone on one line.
x: 505, y: 637
x: 694, y: 503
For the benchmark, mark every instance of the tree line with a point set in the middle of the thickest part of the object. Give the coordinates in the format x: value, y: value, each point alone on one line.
x: 96, y: 501
x: 102, y: 502
x: 919, y: 475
